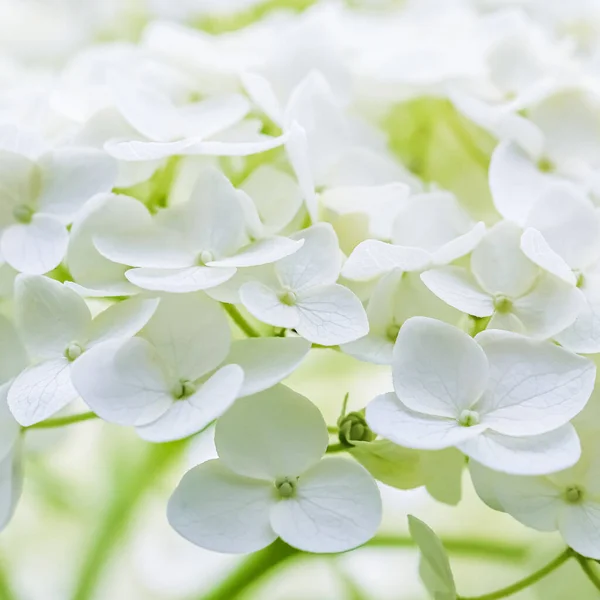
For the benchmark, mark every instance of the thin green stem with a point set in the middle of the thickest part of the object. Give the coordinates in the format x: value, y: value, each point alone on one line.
x: 321, y: 347
x: 129, y: 489
x: 525, y: 583
x: 257, y: 565
x: 586, y: 567
x: 332, y: 429
x: 251, y: 569
x: 239, y: 320
x: 63, y: 421
x: 345, y: 405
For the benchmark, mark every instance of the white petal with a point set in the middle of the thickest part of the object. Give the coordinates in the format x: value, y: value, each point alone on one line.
x: 148, y: 247
x: 180, y: 281
x: 276, y: 195
x: 580, y: 528
x: 531, y: 455
x: 437, y: 368
x: 459, y: 246
x: 263, y: 303
x: 499, y: 264
x: 534, y: 386
x: 317, y: 262
x: 40, y: 391
x: 298, y: 155
x: 10, y: 430
x: 124, y: 383
x: 121, y: 320
x: 105, y: 214
x: 213, y: 115
x: 260, y: 253
x: 569, y: 224
x: 534, y: 501
x: 389, y: 418
x: 36, y: 247
x: 276, y: 433
x: 213, y: 218
x: 373, y: 347
x: 70, y: 177
x: 537, y: 249
x: 551, y: 306
x: 430, y: 221
x: 261, y: 92
x: 336, y: 507
x: 190, y: 333
x: 222, y: 511
x: 266, y: 361
x: 515, y: 182
x: 583, y: 336
x: 191, y: 415
x: 372, y: 258
x: 12, y: 351
x: 331, y: 315
x: 49, y: 315
x: 458, y: 288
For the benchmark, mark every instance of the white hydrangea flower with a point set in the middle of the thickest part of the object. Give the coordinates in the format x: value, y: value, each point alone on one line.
x: 182, y: 371
x: 271, y: 480
x: 503, y: 399
x: 41, y: 196
x: 567, y: 501
x: 57, y: 328
x: 301, y: 292
x: 194, y: 246
x: 432, y: 229
x: 505, y: 285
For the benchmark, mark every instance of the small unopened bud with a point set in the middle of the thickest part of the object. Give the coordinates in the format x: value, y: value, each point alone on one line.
x: 23, y: 213
x: 73, y: 351
x: 285, y: 487
x: 354, y: 428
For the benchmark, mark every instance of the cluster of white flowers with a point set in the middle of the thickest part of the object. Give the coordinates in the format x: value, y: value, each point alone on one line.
x: 183, y: 219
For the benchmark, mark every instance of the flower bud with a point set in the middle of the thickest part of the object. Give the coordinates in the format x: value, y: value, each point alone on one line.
x: 23, y: 213
x: 354, y: 428
x: 73, y: 351
x: 285, y: 486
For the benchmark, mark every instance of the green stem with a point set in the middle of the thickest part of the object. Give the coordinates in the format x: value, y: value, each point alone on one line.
x: 62, y: 421
x: 321, y: 347
x: 257, y: 565
x: 588, y: 570
x: 333, y: 448
x: 332, y: 429
x: 239, y: 320
x: 129, y: 489
x: 525, y: 583
x: 6, y: 591
x: 459, y: 546
x: 253, y: 568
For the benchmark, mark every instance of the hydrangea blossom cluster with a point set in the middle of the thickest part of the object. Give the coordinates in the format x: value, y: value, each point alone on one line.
x: 185, y: 218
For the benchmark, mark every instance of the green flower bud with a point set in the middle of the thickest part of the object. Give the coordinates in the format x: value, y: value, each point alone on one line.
x: 354, y: 428
x: 286, y: 487
x: 73, y: 351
